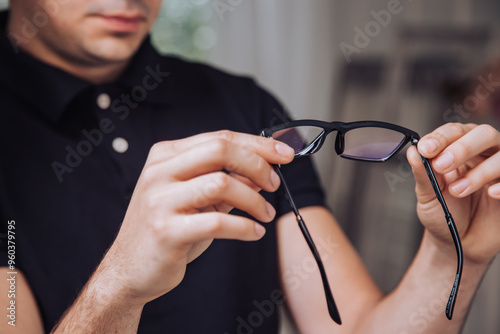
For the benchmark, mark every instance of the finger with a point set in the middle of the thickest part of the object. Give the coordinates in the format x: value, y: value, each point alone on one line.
x: 494, y: 191
x: 484, y: 173
x: 215, y: 188
x: 220, y: 154
x: 216, y: 155
x: 272, y: 150
x: 246, y: 180
x: 223, y: 207
x: 216, y: 225
x: 423, y: 187
x: 435, y: 142
x: 460, y: 150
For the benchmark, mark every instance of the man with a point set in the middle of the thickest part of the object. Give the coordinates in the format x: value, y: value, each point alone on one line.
x: 84, y: 99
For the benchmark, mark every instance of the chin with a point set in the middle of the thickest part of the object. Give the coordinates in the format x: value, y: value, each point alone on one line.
x: 113, y: 49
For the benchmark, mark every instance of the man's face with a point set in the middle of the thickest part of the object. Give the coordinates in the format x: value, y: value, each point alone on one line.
x: 88, y: 32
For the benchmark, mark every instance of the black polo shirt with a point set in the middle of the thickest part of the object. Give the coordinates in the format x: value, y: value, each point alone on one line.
x: 70, y: 156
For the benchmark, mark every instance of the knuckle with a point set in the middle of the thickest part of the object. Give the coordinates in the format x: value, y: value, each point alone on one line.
x: 150, y: 203
x: 463, y: 149
x: 172, y: 146
x: 222, y: 181
x: 219, y: 147
x: 225, y: 135
x: 474, y: 180
x: 470, y: 126
x: 457, y: 128
x: 489, y: 132
x: 148, y: 176
x: 261, y: 166
x: 440, y: 135
x: 233, y: 166
x: 215, y: 224
x: 167, y: 233
x: 156, y: 148
x: 215, y: 186
x: 158, y: 227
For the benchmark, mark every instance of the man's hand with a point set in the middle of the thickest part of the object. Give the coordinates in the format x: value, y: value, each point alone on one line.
x: 180, y: 204
x: 466, y: 161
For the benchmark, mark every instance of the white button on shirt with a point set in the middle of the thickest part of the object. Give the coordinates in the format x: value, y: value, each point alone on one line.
x: 103, y: 101
x: 120, y: 145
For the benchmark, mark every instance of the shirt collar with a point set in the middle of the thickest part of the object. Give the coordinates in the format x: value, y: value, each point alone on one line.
x: 150, y: 72
x: 49, y: 90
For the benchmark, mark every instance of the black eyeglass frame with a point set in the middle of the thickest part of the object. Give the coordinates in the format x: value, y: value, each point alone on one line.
x: 342, y: 128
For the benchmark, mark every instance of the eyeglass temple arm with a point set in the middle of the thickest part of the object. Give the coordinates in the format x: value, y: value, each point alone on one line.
x: 332, y: 307
x: 454, y: 233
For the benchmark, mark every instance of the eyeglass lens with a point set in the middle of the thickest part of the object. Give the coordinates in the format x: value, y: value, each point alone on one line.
x: 371, y: 143
x: 299, y: 137
x: 368, y: 143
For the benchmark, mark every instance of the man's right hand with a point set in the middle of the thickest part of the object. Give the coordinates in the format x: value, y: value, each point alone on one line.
x: 181, y: 203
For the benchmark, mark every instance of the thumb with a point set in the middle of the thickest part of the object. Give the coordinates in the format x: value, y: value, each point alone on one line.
x: 423, y: 187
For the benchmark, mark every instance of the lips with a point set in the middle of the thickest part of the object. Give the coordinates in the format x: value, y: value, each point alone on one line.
x: 123, y: 23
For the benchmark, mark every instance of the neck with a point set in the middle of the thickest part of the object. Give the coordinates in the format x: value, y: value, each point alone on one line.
x: 92, y: 70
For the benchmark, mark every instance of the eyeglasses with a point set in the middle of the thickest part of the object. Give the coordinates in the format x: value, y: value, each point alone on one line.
x: 365, y: 141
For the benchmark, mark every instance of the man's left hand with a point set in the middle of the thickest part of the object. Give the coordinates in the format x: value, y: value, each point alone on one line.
x: 466, y: 161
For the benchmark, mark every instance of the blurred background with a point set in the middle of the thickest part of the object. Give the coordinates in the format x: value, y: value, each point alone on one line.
x: 345, y: 60
x: 415, y: 63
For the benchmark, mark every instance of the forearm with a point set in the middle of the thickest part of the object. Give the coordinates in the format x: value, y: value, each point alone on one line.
x: 418, y: 304
x: 101, y: 308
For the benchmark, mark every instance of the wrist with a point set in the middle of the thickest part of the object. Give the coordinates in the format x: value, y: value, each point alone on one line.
x: 109, y: 283
x: 102, y: 307
x: 445, y: 251
x: 110, y: 295
x: 443, y: 256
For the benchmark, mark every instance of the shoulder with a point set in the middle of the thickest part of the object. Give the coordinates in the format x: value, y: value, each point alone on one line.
x: 235, y: 92
x: 196, y: 75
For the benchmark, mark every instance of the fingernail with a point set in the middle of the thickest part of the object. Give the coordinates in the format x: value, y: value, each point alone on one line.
x: 430, y: 145
x: 270, y: 210
x: 284, y: 149
x: 495, y: 190
x: 460, y: 186
x: 259, y: 230
x: 275, y: 179
x: 444, y: 161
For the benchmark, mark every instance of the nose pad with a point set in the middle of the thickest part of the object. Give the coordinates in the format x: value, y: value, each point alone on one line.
x: 315, y: 145
x: 339, y: 143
